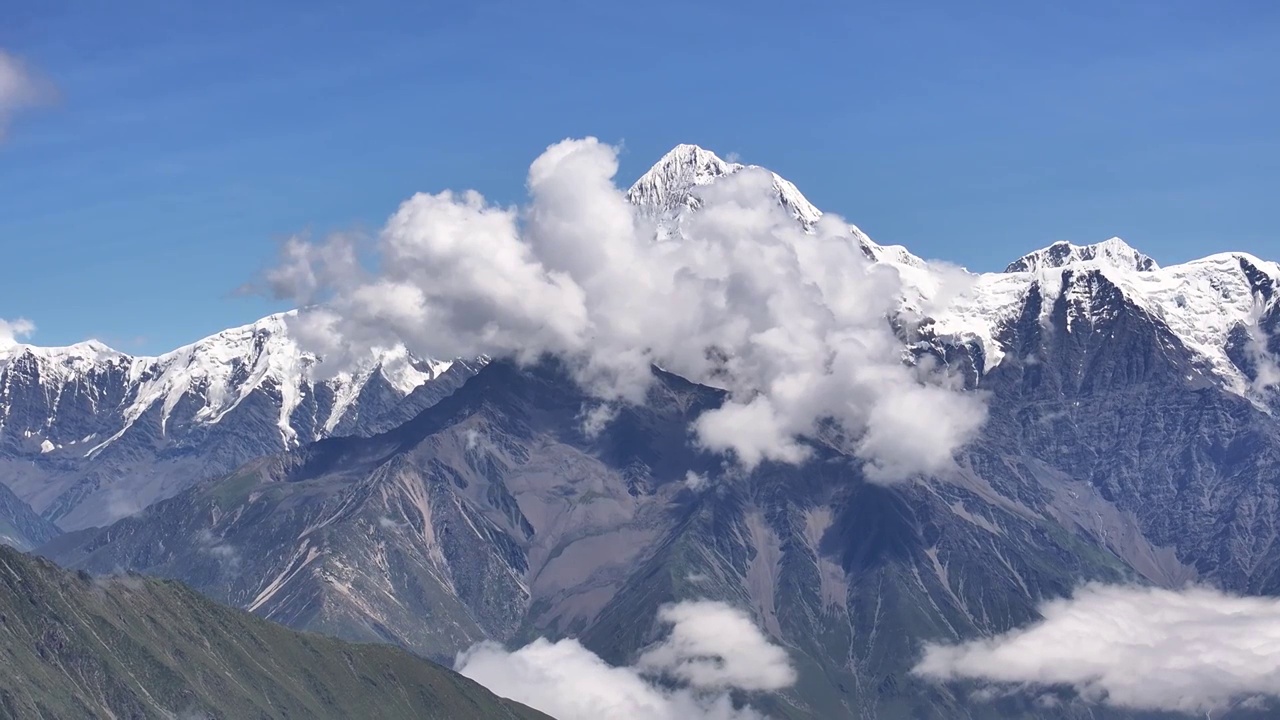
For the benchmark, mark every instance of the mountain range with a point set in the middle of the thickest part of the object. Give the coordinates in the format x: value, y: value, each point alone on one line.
x: 77, y: 421
x: 1130, y: 437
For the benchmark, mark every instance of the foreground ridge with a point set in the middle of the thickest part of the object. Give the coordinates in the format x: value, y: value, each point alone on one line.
x: 124, y: 646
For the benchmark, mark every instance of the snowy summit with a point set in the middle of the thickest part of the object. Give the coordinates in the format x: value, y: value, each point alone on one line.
x: 671, y: 185
x: 1114, y: 252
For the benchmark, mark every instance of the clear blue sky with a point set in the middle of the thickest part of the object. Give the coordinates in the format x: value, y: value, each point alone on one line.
x: 189, y: 138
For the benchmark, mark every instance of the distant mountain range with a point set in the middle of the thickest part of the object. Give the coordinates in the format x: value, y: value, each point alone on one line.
x: 1131, y: 437
x: 88, y: 434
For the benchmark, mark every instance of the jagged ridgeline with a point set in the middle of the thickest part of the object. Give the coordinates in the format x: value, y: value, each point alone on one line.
x: 74, y: 646
x: 88, y: 434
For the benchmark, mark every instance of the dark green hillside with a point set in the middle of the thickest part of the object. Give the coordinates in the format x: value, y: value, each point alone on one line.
x: 72, y: 646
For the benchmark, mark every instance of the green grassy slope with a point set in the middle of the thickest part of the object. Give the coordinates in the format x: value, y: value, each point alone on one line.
x: 73, y: 646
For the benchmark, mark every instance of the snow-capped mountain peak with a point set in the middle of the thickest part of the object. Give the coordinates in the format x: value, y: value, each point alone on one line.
x: 1203, y: 303
x: 171, y: 419
x: 207, y: 379
x: 88, y: 349
x: 671, y: 188
x: 1113, y: 252
x: 222, y: 370
x: 671, y: 185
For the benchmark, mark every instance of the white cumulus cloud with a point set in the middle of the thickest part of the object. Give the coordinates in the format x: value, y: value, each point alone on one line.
x: 792, y: 323
x: 715, y: 646
x: 1196, y: 650
x: 712, y: 648
x: 695, y: 481
x: 14, y: 331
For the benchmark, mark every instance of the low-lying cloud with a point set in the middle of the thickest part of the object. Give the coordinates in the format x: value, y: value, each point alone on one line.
x: 1266, y: 369
x: 225, y: 553
x: 792, y: 323
x: 715, y: 646
x: 712, y: 649
x: 1196, y: 650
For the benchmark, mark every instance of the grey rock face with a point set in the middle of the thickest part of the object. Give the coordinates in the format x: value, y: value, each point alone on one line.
x: 1119, y: 410
x: 435, y: 519
x: 20, y: 526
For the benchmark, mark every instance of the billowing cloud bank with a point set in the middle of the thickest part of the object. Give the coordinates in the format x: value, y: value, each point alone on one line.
x: 713, y: 648
x: 1196, y: 650
x: 792, y: 323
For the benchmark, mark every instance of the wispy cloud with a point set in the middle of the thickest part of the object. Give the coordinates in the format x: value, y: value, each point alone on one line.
x: 793, y: 324
x: 20, y: 88
x: 225, y: 553
x: 596, y: 418
x: 14, y: 331
x: 712, y: 649
x: 1194, y: 650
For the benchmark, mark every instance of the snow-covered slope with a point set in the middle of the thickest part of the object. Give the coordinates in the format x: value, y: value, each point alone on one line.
x: 224, y: 369
x: 75, y: 420
x: 671, y: 185
x: 1206, y: 303
x: 671, y: 188
x: 211, y: 376
x: 1114, y: 252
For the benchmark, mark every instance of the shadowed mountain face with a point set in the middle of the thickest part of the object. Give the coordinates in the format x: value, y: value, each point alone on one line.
x: 20, y: 526
x: 125, y: 646
x: 1110, y: 423
x: 490, y: 502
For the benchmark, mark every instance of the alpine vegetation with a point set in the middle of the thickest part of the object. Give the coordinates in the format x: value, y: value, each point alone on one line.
x: 126, y: 646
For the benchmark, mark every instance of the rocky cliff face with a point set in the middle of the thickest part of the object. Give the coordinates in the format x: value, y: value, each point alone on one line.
x: 20, y: 526
x: 438, y: 518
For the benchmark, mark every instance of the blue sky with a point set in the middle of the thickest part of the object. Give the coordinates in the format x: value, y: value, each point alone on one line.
x: 187, y: 139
